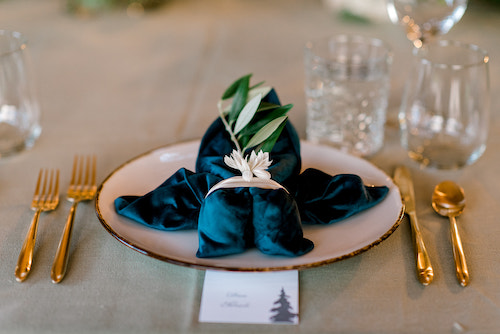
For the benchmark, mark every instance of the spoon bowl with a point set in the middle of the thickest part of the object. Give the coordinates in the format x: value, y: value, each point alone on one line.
x: 448, y: 199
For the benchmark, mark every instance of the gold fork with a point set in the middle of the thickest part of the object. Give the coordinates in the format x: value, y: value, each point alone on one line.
x: 43, y: 200
x: 82, y: 188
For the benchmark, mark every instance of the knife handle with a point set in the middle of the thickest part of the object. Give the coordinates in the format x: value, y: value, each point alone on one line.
x: 425, y: 273
x: 458, y: 254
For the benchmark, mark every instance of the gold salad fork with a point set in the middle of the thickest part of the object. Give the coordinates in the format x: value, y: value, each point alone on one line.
x: 82, y: 188
x: 45, y: 198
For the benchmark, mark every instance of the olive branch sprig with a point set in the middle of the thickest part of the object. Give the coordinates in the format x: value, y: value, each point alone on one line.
x: 251, y: 122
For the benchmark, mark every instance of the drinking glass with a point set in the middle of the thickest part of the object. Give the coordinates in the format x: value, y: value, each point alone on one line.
x: 445, y: 109
x: 347, y: 87
x: 426, y: 19
x: 19, y: 111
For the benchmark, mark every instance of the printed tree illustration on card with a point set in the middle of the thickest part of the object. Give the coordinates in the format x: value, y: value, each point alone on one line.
x: 283, y: 309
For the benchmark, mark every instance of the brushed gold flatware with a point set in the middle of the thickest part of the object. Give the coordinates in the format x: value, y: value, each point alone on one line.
x: 448, y: 199
x: 425, y: 273
x: 45, y: 198
x: 82, y: 188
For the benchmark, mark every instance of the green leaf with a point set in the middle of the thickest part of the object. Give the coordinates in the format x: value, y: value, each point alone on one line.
x: 240, y: 99
x: 265, y: 132
x: 264, y: 106
x: 257, y: 85
x: 264, y: 117
x: 231, y: 90
x: 268, y: 145
x: 260, y: 90
x: 247, y: 113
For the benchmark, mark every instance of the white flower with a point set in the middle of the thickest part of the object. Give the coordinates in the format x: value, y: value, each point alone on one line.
x: 236, y: 161
x: 259, y: 163
x: 256, y: 164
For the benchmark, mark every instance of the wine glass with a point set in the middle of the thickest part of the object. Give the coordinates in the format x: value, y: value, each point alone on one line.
x: 425, y: 19
x: 19, y: 109
x: 445, y: 109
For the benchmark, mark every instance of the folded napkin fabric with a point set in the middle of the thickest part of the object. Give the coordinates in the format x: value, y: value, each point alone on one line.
x: 174, y: 205
x: 232, y: 220
x: 325, y: 199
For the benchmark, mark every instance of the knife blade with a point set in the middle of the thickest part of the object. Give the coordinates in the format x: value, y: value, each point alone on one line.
x: 402, y: 178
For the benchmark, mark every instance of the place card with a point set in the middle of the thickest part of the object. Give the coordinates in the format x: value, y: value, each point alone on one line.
x: 250, y: 297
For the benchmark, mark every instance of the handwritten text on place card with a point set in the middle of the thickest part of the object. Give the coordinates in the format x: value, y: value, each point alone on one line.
x: 250, y: 297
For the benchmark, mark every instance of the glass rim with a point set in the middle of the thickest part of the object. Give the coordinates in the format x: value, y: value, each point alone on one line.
x: 482, y: 58
x: 13, y: 35
x: 387, y: 55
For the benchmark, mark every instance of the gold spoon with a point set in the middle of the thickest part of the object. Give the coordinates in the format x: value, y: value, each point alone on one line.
x: 448, y: 200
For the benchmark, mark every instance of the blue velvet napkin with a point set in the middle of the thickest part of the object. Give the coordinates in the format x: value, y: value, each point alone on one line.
x: 232, y: 220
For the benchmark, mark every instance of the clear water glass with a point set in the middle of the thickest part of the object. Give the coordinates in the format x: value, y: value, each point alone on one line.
x: 426, y: 19
x: 19, y: 110
x: 347, y: 88
x: 445, y: 109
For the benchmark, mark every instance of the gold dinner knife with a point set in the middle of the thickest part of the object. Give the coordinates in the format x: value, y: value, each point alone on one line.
x: 402, y: 178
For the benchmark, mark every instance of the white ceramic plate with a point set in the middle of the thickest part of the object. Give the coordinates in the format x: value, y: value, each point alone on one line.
x: 334, y: 242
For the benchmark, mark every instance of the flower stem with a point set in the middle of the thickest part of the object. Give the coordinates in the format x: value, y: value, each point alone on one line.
x: 228, y: 127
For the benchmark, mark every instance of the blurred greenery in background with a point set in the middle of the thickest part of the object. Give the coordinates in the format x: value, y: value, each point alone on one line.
x: 90, y: 7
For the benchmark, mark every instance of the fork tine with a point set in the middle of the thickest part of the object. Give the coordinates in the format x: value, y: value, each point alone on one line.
x: 87, y: 171
x: 94, y: 170
x: 53, y: 192
x: 90, y: 176
x: 36, y: 195
x: 73, y: 173
x: 52, y: 199
x: 51, y: 181
x: 43, y: 195
x: 80, y: 173
x: 56, y: 186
